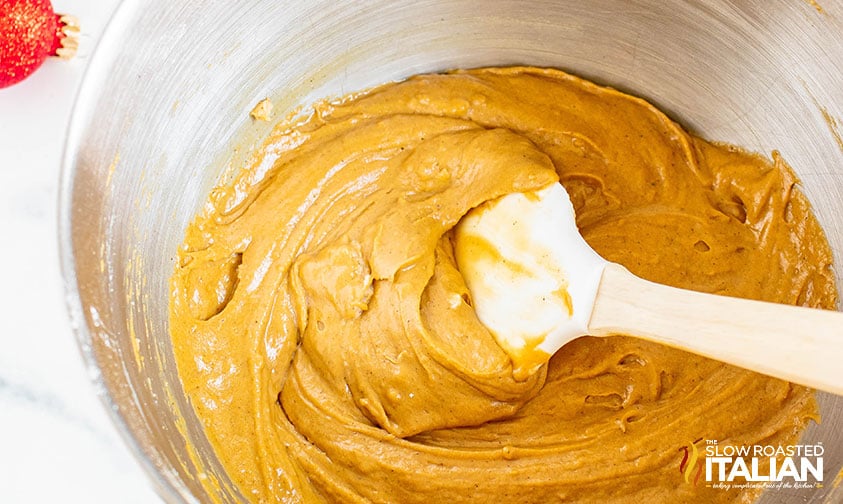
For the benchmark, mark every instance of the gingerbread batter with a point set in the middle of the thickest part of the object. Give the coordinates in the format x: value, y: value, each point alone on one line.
x: 327, y: 341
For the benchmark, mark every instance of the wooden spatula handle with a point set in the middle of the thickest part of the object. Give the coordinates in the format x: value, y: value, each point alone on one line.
x: 801, y: 345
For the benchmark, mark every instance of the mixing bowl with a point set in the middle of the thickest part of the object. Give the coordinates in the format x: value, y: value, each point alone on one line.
x: 163, y: 114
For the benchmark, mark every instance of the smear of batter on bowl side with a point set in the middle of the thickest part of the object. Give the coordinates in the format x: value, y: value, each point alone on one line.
x: 833, y: 127
x: 816, y: 6
x: 327, y: 340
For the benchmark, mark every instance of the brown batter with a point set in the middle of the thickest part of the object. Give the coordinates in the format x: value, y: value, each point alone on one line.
x: 326, y: 338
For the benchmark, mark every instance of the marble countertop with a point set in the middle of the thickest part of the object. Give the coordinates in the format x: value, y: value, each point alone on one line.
x: 57, y: 443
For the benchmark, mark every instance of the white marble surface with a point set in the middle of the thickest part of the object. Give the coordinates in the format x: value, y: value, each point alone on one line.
x: 57, y: 443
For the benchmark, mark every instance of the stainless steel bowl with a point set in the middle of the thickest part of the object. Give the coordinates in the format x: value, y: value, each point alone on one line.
x: 164, y: 110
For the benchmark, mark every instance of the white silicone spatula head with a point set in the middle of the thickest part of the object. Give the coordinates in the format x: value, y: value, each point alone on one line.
x: 532, y: 277
x: 536, y: 285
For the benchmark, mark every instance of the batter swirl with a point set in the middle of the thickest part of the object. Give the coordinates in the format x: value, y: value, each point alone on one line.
x: 327, y: 341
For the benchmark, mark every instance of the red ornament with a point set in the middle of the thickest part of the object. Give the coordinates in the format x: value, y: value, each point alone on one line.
x: 30, y: 31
